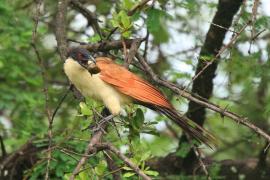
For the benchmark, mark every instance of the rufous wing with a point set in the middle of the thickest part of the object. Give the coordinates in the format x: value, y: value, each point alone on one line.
x: 130, y: 84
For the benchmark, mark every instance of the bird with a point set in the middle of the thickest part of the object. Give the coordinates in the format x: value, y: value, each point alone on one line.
x: 116, y: 86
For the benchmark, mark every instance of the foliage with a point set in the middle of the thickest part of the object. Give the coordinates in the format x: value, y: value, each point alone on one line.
x: 242, y: 85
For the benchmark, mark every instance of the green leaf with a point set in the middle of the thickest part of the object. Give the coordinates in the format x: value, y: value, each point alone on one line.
x: 135, y: 161
x: 127, y: 4
x: 123, y: 22
x: 183, y: 149
x: 67, y: 176
x: 103, y: 7
x: 127, y: 168
x: 84, y: 109
x: 138, y: 119
x: 156, y: 25
x: 151, y: 173
x: 145, y: 156
x: 214, y: 170
x: 125, y: 19
x: 100, y: 168
x: 126, y: 34
x: 206, y: 58
x: 94, y: 39
x: 1, y: 64
x: 128, y: 174
x: 83, y: 175
x: 115, y: 23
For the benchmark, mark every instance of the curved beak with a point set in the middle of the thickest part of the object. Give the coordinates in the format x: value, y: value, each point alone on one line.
x: 92, y: 59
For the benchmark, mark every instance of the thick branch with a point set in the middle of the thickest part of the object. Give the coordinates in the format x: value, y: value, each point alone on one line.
x: 108, y: 45
x: 132, y: 51
x: 96, y: 138
x: 205, y: 71
x: 60, y: 28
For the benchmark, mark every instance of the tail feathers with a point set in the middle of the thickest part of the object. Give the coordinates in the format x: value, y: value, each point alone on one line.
x: 191, y: 128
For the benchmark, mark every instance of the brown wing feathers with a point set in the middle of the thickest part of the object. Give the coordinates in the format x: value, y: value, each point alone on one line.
x: 146, y: 94
x: 130, y: 84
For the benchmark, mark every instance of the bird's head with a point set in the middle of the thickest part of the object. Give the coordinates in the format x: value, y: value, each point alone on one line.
x: 81, y: 55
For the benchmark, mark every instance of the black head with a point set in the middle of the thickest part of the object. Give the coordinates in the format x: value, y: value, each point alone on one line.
x: 81, y: 55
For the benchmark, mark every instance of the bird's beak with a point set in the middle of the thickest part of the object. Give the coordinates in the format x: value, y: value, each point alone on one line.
x: 91, y: 59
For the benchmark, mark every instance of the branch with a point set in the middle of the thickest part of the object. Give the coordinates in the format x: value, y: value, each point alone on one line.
x: 91, y: 17
x: 96, y: 138
x: 114, y: 169
x: 126, y: 160
x: 60, y: 28
x: 132, y: 51
x: 206, y: 68
x: 253, y: 20
x: 108, y: 45
x: 14, y: 165
x: 223, y: 112
x: 218, y: 54
x: 61, y: 101
x: 3, y: 149
x: 45, y: 85
x: 138, y: 6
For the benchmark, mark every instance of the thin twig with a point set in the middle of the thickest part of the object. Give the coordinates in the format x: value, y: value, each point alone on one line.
x: 126, y: 160
x: 195, y: 98
x: 227, y: 29
x: 111, y: 33
x: 90, y: 148
x: 235, y: 37
x: 253, y: 20
x: 258, y: 34
x: 114, y: 169
x: 45, y: 84
x: 198, y: 155
x: 146, y: 44
x: 61, y: 101
x: 130, y: 13
x: 138, y: 6
x: 91, y: 17
x: 68, y: 154
x: 124, y: 50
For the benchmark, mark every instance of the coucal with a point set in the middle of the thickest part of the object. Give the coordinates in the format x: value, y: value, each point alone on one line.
x: 116, y: 86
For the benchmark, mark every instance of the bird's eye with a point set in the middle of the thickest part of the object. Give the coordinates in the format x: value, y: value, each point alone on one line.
x: 79, y: 56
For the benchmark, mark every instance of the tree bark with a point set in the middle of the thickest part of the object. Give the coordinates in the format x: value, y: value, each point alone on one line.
x: 203, y: 85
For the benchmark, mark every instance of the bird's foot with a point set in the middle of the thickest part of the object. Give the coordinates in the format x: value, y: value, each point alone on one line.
x: 105, y: 119
x: 99, y: 124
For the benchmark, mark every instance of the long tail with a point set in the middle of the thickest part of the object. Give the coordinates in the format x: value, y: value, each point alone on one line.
x: 191, y: 128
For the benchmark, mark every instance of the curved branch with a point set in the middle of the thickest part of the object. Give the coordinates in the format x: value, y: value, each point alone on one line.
x: 91, y: 17
x: 126, y: 160
x: 95, y: 139
x: 201, y: 101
